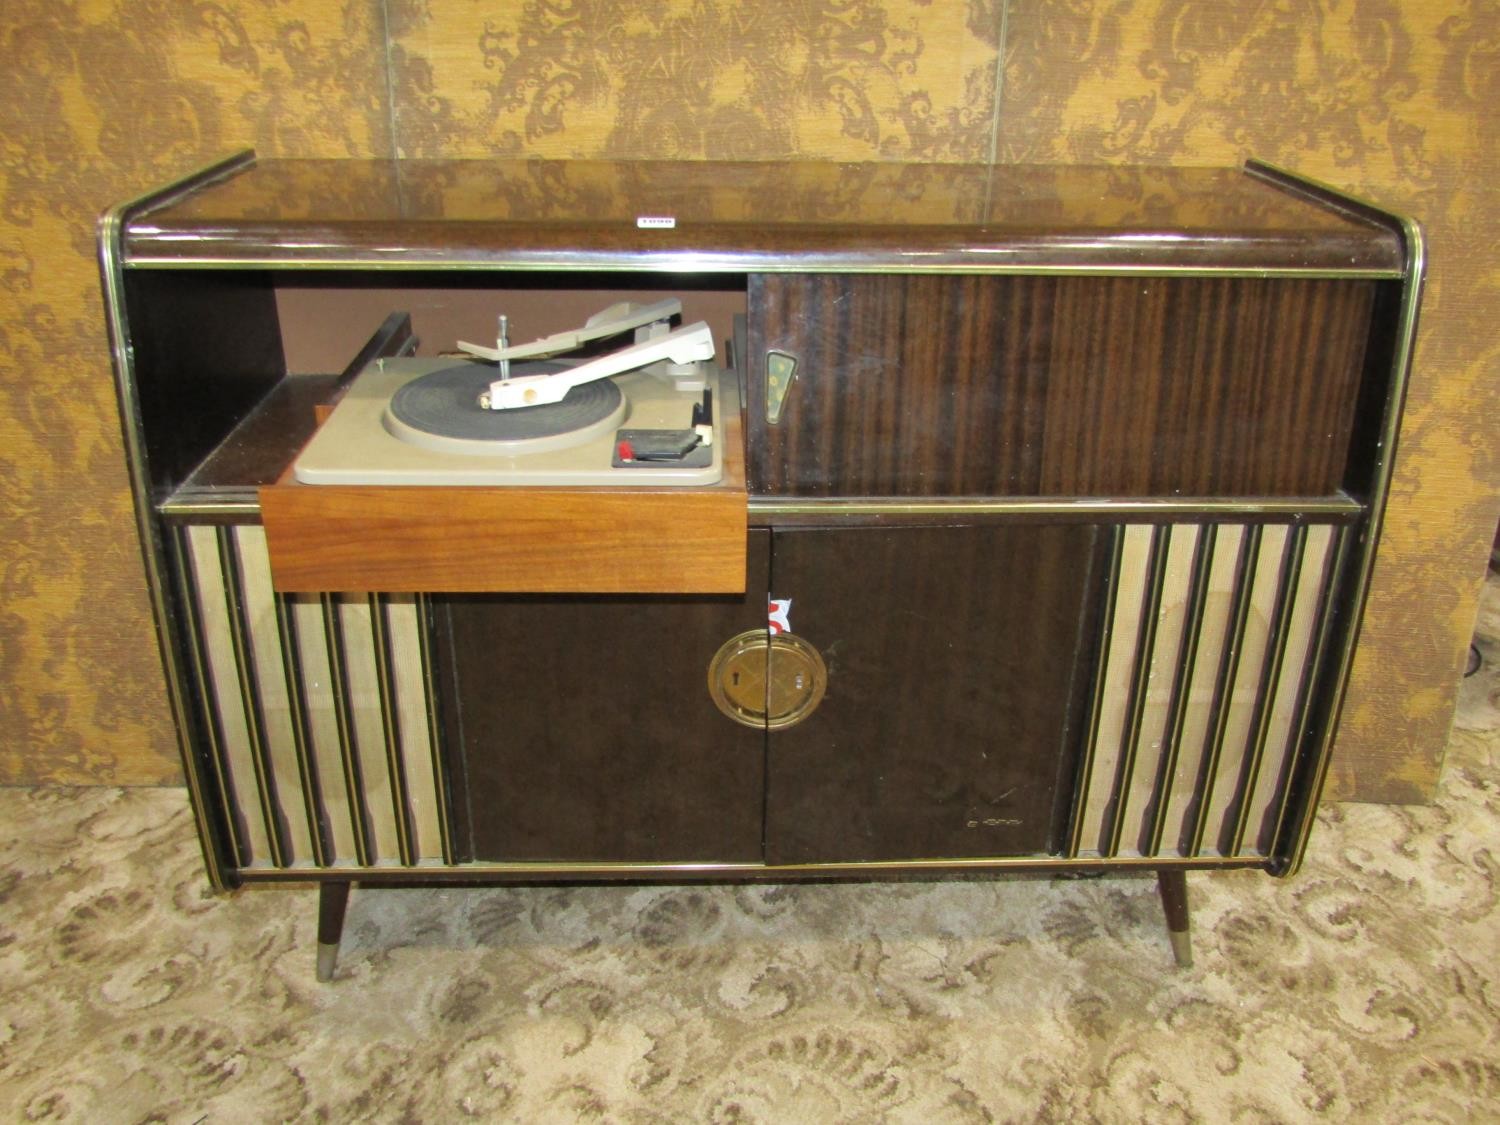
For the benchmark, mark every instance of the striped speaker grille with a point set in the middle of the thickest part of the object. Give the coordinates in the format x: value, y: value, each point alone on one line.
x: 318, y: 710
x: 1203, y: 690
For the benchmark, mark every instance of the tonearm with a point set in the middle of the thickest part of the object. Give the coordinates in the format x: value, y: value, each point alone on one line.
x: 656, y: 343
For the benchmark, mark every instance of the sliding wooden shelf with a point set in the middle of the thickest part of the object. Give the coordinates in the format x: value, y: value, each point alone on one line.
x: 467, y: 539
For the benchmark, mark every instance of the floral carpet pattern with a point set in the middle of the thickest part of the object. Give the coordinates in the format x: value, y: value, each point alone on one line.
x: 1366, y: 988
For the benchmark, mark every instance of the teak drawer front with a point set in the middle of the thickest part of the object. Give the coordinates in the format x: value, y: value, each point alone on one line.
x: 502, y: 540
x: 1120, y: 386
x: 505, y: 540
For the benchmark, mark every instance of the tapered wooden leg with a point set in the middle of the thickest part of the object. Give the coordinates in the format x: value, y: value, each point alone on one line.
x: 1172, y: 883
x: 333, y: 899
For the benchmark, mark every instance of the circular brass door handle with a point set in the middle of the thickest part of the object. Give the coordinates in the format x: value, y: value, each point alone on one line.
x: 765, y: 681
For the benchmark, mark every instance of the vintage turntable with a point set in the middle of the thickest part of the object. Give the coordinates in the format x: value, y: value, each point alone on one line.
x: 527, y: 414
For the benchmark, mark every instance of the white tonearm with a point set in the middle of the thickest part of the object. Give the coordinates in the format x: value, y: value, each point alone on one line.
x: 685, y: 345
x: 691, y: 344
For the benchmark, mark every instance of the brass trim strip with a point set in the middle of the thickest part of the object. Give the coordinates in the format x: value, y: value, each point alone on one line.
x: 1156, y: 577
x: 1379, y: 496
x: 1331, y: 507
x: 1229, y: 666
x: 1096, y: 707
x: 343, y: 715
x: 434, y: 729
x: 233, y: 503
x: 390, y: 725
x: 1330, y: 586
x: 122, y: 355
x: 255, y: 721
x: 245, y: 504
x: 1182, y: 679
x: 584, y: 870
x: 1292, y: 555
x: 302, y: 743
x: 189, y: 596
x: 686, y: 262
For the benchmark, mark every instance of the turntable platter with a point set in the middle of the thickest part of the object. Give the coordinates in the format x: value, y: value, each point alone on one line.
x: 440, y: 411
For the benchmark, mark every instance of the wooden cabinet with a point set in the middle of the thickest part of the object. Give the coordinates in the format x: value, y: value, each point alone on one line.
x: 914, y: 385
x: 581, y: 730
x: 1062, y: 485
x: 950, y: 727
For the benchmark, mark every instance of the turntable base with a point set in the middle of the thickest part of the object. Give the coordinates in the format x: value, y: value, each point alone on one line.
x: 370, y: 439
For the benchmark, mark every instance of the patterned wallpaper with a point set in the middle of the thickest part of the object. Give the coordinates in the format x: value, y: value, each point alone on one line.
x: 830, y: 79
x: 100, y: 102
x: 106, y: 98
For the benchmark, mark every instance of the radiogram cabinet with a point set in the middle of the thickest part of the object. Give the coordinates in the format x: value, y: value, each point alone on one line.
x: 1049, y: 505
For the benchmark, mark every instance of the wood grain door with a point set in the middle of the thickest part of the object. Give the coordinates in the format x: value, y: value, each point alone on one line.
x: 958, y: 660
x: 581, y: 728
x: 966, y: 385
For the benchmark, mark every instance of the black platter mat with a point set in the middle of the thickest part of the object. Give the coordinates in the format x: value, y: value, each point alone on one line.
x: 446, y: 403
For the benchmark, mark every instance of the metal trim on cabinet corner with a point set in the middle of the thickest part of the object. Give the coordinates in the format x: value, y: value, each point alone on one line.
x: 1358, y: 595
x: 1401, y: 358
x: 169, y: 636
x: 232, y: 505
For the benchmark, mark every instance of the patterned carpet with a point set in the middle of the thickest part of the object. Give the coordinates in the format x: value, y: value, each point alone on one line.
x: 1365, y: 989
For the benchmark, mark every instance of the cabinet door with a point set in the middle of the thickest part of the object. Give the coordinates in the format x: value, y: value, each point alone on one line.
x: 582, y: 729
x: 958, y: 661
x: 970, y: 385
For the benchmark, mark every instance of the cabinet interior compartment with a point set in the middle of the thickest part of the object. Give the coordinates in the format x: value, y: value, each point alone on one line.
x: 231, y: 364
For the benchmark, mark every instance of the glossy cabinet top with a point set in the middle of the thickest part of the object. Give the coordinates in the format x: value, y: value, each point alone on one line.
x: 752, y: 216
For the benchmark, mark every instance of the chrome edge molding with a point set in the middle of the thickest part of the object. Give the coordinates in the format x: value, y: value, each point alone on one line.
x: 111, y: 232
x: 193, y: 633
x: 479, y: 872
x: 247, y: 507
x: 1315, y: 507
x: 234, y: 505
x: 670, y: 263
x: 1405, y: 344
x: 434, y: 731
